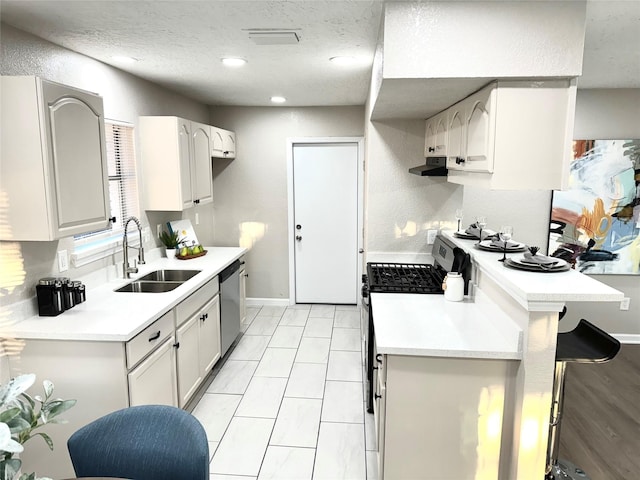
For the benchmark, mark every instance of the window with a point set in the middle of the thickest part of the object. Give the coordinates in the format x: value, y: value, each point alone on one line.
x: 123, y: 193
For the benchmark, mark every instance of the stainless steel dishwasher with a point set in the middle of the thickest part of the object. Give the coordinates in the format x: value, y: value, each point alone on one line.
x: 229, y: 305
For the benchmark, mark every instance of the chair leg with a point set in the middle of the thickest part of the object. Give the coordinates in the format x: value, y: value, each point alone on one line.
x: 556, y: 418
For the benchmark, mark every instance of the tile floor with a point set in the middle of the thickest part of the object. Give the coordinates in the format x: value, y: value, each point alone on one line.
x: 289, y: 403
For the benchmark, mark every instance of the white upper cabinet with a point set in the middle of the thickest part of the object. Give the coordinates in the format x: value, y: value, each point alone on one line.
x: 53, y: 171
x: 223, y: 143
x: 175, y: 152
x: 513, y: 136
x: 435, y: 144
x: 201, y: 173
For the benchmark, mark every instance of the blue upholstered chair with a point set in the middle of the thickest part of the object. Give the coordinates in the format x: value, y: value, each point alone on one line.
x: 149, y: 442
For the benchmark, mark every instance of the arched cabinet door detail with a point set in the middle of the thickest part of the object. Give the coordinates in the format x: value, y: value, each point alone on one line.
x: 54, y: 161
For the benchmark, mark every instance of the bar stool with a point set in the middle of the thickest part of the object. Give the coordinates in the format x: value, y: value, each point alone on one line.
x: 584, y: 344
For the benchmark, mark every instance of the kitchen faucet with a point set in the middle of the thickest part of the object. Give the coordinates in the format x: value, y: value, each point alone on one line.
x: 126, y: 269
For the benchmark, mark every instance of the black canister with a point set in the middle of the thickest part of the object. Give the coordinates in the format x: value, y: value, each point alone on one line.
x: 49, y: 294
x: 68, y: 298
x: 79, y: 293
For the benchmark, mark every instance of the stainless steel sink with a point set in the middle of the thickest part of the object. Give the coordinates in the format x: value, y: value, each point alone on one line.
x: 140, y: 286
x: 169, y: 275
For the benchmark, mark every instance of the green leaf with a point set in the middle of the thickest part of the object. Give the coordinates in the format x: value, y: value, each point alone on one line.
x: 28, y: 398
x: 18, y: 425
x: 10, y: 467
x: 29, y: 476
x: 46, y: 438
x: 9, y: 414
x: 15, y: 387
x: 48, y: 388
x: 60, y: 406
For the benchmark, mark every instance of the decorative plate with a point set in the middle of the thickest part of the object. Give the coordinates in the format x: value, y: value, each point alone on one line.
x: 513, y: 247
x: 522, y: 264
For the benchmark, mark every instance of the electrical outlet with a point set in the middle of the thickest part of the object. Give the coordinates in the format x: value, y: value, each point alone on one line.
x: 63, y: 261
x: 431, y: 236
x: 158, y: 230
x: 624, y: 304
x: 197, y: 219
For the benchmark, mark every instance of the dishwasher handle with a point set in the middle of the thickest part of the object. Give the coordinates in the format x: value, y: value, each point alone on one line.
x: 230, y: 270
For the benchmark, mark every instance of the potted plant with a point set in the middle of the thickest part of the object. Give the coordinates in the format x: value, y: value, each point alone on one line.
x: 20, y: 416
x: 171, y: 241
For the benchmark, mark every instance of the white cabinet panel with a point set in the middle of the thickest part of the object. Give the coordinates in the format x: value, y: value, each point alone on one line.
x: 243, y: 292
x: 223, y: 143
x: 54, y: 163
x: 175, y: 152
x: 154, y: 380
x: 189, y: 374
x: 209, y: 335
x: 455, y: 146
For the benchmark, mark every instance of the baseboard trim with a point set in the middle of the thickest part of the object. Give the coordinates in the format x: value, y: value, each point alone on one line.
x: 627, y: 337
x: 272, y: 302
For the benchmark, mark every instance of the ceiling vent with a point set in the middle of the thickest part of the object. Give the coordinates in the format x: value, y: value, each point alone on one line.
x: 273, y: 37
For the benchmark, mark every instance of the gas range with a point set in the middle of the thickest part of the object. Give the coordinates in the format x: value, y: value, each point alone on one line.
x: 404, y: 278
x: 408, y: 278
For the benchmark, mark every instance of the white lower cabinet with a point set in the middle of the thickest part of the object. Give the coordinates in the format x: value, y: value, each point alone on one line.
x: 163, y: 364
x: 154, y: 380
x: 198, y: 338
x: 439, y: 417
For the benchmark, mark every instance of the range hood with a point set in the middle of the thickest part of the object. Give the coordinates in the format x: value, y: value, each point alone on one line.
x: 434, y: 167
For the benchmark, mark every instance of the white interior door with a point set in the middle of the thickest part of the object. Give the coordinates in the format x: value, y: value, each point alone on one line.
x: 325, y: 183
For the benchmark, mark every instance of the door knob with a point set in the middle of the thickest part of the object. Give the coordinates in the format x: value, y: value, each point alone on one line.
x: 298, y: 237
x: 298, y: 227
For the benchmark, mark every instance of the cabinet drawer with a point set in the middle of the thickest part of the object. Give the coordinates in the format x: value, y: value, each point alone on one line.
x: 139, y: 346
x: 195, y: 302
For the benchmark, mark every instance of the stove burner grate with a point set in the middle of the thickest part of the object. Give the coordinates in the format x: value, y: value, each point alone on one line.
x: 404, y: 278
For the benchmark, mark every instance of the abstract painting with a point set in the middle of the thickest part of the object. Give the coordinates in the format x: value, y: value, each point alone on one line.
x: 595, y: 224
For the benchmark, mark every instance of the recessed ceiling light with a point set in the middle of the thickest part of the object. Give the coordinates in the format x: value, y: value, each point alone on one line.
x: 278, y: 99
x: 123, y: 59
x: 343, y: 60
x: 234, y: 61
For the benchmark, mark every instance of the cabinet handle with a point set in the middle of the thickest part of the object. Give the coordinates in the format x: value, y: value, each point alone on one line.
x: 431, y: 149
x: 204, y: 317
x: 374, y: 368
x: 377, y: 396
x: 379, y: 358
x: 459, y: 160
x: 176, y: 345
x: 196, y: 201
x: 112, y: 219
x: 242, y: 263
x: 246, y: 275
x: 155, y: 336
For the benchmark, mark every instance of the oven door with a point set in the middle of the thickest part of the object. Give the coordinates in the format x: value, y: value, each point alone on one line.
x: 366, y: 327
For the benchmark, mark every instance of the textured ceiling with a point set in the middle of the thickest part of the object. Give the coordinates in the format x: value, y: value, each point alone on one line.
x: 179, y: 44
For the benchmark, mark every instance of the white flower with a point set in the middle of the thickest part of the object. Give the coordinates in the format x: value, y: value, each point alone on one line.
x: 7, y: 443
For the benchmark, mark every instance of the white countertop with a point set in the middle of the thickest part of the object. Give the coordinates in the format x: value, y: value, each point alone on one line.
x: 429, y: 325
x: 531, y: 288
x: 119, y: 316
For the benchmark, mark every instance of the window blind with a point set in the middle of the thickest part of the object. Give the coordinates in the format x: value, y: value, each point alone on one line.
x: 123, y: 194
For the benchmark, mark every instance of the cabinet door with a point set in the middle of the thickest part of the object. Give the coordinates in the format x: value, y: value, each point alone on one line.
x: 154, y: 380
x: 217, y: 147
x: 202, y: 180
x: 379, y: 410
x: 455, y: 154
x: 209, y: 320
x: 229, y: 144
x: 184, y: 152
x: 430, y: 138
x: 188, y: 355
x: 441, y: 135
x: 77, y: 167
x: 479, y: 148
x: 243, y: 295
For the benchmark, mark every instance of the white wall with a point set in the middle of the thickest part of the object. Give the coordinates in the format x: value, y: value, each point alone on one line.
x: 125, y: 98
x: 250, y: 192
x: 400, y: 206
